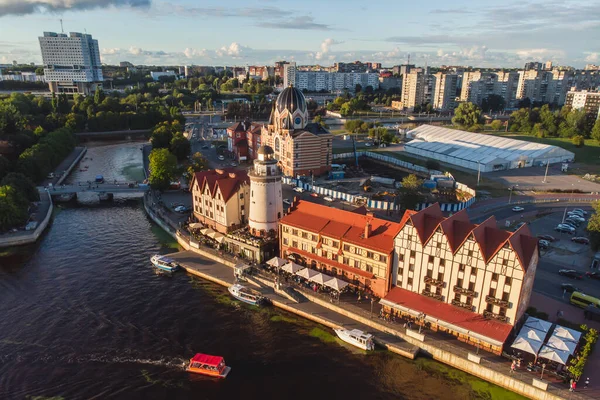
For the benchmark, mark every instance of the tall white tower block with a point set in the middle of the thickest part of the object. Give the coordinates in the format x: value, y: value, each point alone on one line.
x: 266, y: 202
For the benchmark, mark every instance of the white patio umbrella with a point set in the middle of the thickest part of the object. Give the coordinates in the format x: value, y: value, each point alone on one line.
x: 531, y: 333
x: 561, y: 344
x: 291, y: 267
x: 336, y: 284
x: 538, y: 324
x: 566, y: 333
x: 196, y: 225
x: 319, y: 278
x: 550, y: 353
x: 527, y: 345
x: 306, y: 273
x: 276, y: 262
x: 219, y: 237
x: 205, y: 231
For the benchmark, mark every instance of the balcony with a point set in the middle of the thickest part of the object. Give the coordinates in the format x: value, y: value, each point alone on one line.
x: 432, y: 295
x: 466, y: 292
x: 434, y: 282
x: 460, y: 304
x: 498, y: 317
x: 495, y: 301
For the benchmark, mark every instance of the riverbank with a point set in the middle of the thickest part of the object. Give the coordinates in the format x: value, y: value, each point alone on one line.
x: 45, y: 207
x: 217, y: 268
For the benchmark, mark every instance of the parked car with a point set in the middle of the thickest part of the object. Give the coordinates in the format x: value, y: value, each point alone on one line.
x: 580, y: 211
x: 368, y: 144
x: 287, y: 201
x: 576, y: 217
x: 571, y: 223
x: 544, y: 244
x: 547, y: 237
x: 298, y: 189
x: 328, y: 198
x: 570, y: 273
x: 518, y: 209
x: 517, y: 226
x: 570, y: 288
x: 221, y: 157
x: 234, y: 164
x: 580, y: 239
x: 565, y: 228
x: 593, y: 274
x: 314, y: 194
x: 205, y: 146
x: 181, y: 209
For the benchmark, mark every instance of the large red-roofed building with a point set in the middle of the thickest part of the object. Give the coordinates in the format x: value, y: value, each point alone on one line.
x: 352, y: 245
x: 471, y: 280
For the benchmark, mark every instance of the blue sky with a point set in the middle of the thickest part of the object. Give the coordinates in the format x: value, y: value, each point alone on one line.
x: 234, y: 32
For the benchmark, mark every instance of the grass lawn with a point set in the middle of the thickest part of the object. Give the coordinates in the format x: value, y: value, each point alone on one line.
x: 588, y: 154
x: 495, y: 188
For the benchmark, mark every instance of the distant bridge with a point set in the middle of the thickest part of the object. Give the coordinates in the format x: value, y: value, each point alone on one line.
x: 85, y: 187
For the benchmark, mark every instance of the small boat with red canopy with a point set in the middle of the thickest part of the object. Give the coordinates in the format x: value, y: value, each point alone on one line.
x: 208, y: 365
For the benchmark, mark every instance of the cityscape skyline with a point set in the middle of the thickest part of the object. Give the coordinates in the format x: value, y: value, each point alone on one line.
x: 176, y: 33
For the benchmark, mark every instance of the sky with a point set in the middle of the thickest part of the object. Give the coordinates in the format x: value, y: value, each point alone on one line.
x: 478, y: 33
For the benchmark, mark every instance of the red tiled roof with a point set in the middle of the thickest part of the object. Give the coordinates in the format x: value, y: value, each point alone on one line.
x: 228, y: 180
x: 450, y: 314
x: 346, y: 225
x: 236, y: 127
x: 332, y: 263
x: 458, y: 228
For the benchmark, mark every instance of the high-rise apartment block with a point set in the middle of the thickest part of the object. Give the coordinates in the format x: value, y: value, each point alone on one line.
x: 289, y: 74
x: 71, y: 63
x: 477, y: 86
x: 444, y: 91
x: 587, y: 101
x: 413, y: 88
x: 315, y: 81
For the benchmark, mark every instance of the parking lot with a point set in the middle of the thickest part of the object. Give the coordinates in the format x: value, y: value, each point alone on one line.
x: 563, y: 253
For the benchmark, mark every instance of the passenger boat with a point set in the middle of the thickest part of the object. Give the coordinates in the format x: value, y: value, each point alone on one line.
x: 245, y: 294
x: 208, y: 365
x: 164, y: 263
x: 357, y: 338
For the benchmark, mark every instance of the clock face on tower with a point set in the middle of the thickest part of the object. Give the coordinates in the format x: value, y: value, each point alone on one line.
x: 297, y: 121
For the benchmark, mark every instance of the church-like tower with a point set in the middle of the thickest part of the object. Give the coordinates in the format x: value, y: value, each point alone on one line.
x: 266, y: 202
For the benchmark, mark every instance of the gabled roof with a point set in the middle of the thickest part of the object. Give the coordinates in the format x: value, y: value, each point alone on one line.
x: 426, y: 221
x: 348, y: 226
x: 236, y: 127
x: 458, y: 228
x: 227, y: 180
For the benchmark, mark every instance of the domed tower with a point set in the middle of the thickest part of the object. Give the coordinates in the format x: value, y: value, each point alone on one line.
x: 290, y: 110
x: 266, y: 202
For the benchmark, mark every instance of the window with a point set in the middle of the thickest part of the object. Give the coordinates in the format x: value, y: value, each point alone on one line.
x: 492, y: 292
x: 242, y: 207
x: 295, y: 232
x: 442, y: 262
x: 370, y: 254
x: 412, y: 253
x: 304, y: 247
x: 313, y: 250
x: 431, y: 258
x: 428, y: 287
x: 459, y: 283
x: 400, y: 271
x: 469, y: 301
x: 304, y: 235
x: 411, y: 267
x: 440, y: 276
x: 495, y: 277
x: 429, y: 273
x: 383, y: 259
x: 294, y: 244
x: 334, y: 243
x: 401, y: 257
x: 502, y: 311
x: 369, y: 268
x: 505, y: 296
x: 410, y: 281
x: 346, y: 247
x: 470, y: 253
x: 346, y: 261
x: 457, y: 297
x: 490, y: 307
x: 471, y: 286
x: 473, y: 271
x: 508, y: 281
x: 461, y: 267
x: 505, y: 262
x: 438, y: 245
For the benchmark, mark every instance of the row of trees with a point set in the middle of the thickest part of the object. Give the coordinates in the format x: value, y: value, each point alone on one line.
x: 347, y: 105
x: 169, y: 135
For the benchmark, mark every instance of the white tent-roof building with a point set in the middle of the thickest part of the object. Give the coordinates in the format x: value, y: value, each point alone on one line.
x: 479, y: 151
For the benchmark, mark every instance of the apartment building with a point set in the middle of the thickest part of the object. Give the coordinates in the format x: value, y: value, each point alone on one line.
x: 220, y: 198
x: 585, y: 100
x: 471, y: 280
x: 559, y: 82
x: 505, y: 86
x: 413, y: 88
x: 533, y: 84
x: 289, y: 74
x: 477, y: 86
x: 444, y: 91
x: 71, y: 63
x: 351, y: 245
x: 314, y: 81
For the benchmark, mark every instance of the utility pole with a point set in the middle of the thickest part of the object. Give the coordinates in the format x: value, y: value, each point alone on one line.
x: 546, y: 174
x: 478, y: 172
x: 510, y: 189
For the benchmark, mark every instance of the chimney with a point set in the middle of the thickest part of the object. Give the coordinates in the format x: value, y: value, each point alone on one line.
x: 367, y: 230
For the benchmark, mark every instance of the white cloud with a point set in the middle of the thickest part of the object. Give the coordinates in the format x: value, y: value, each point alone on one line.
x: 191, y: 53
x: 325, y: 47
x: 234, y: 50
x: 24, y: 7
x: 110, y: 51
x: 592, y: 57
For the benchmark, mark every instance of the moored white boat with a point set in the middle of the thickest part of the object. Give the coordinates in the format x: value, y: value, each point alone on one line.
x: 356, y: 338
x: 164, y: 263
x: 245, y: 294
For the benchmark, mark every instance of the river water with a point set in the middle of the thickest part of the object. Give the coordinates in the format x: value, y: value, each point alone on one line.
x: 84, y: 316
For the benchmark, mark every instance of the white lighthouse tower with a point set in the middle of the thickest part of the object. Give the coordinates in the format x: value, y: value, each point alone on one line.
x: 266, y: 202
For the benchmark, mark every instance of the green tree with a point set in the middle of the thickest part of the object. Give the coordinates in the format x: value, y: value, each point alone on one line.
x: 357, y: 88
x: 163, y: 168
x: 578, y: 140
x: 595, y: 134
x: 162, y: 135
x: 410, y: 196
x: 319, y: 120
x: 180, y: 146
x: 13, y: 208
x: 39, y: 71
x: 5, y: 166
x: 593, y: 226
x: 21, y: 184
x: 493, y: 103
x: 198, y: 163
x: 99, y: 97
x: 11, y: 120
x: 496, y: 125
x: 467, y: 115
x: 520, y: 121
x: 353, y: 125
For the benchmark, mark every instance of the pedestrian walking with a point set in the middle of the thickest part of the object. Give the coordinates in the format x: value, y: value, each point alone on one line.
x: 513, y: 366
x: 573, y: 386
x: 587, y: 382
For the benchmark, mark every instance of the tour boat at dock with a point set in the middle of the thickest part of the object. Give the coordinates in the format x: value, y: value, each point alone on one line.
x: 245, y: 294
x: 164, y: 263
x: 356, y: 338
x: 208, y: 365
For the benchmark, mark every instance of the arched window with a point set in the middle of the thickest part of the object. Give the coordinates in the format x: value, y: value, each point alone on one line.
x: 277, y: 144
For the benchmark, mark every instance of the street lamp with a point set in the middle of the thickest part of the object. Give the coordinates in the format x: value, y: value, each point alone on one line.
x: 372, y: 301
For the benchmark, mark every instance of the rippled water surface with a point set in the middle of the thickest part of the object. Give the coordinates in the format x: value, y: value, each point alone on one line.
x: 83, y: 316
